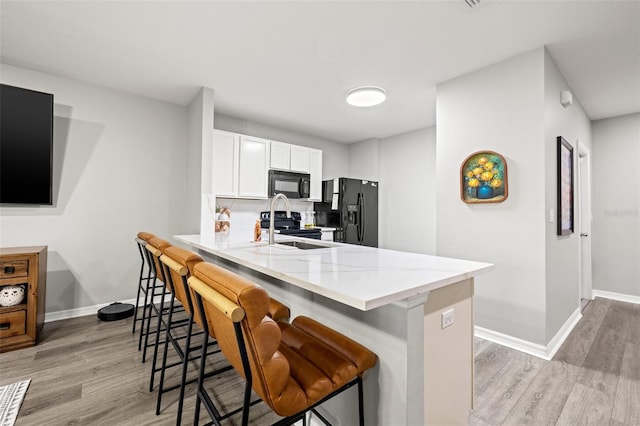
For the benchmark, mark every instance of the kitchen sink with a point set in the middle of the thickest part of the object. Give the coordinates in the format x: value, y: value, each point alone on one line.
x: 301, y: 245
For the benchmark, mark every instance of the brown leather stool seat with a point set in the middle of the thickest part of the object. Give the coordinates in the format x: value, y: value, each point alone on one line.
x: 317, y: 353
x: 292, y: 367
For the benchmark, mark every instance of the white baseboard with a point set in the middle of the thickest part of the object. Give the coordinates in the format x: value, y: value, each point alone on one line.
x: 563, y: 333
x: 545, y: 352
x: 511, y: 342
x: 629, y: 298
x: 86, y: 310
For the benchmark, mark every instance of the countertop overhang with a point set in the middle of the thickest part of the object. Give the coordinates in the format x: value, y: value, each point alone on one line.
x: 361, y: 277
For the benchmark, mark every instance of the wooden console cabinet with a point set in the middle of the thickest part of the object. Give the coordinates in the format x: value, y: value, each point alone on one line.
x: 20, y: 324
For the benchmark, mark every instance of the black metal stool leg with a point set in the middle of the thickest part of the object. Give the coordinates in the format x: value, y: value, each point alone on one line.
x: 150, y: 282
x: 360, y: 402
x: 157, y: 341
x: 165, y: 351
x: 148, y: 325
x: 141, y: 278
x: 183, y: 378
x: 203, y: 360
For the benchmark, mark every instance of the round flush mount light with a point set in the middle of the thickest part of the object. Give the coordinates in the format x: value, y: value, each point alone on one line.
x: 366, y: 96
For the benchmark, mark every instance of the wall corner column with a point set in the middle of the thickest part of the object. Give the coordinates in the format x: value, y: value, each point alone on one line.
x: 200, y: 113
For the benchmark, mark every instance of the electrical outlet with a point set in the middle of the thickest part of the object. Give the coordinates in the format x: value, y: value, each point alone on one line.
x: 447, y: 318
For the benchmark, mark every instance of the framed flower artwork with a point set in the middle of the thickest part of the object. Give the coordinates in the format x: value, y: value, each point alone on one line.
x: 483, y: 178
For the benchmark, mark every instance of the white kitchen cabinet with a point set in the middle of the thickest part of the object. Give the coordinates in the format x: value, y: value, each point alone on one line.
x: 299, y: 159
x: 254, y: 166
x: 285, y: 156
x: 240, y: 165
x: 225, y: 163
x: 315, y: 170
x: 280, y: 155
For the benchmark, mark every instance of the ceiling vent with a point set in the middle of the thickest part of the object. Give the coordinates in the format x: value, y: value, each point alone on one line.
x: 472, y: 3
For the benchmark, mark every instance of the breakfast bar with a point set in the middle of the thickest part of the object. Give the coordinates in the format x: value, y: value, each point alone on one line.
x: 414, y: 311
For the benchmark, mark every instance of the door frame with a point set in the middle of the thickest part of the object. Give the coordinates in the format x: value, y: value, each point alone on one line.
x: 585, y: 274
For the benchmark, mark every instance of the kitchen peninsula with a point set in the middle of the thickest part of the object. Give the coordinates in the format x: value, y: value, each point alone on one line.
x: 390, y: 301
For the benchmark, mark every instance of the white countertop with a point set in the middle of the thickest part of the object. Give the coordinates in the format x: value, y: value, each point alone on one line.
x: 358, y: 276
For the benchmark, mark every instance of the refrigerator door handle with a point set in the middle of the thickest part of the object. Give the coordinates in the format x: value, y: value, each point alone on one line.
x: 358, y: 220
x: 362, y: 216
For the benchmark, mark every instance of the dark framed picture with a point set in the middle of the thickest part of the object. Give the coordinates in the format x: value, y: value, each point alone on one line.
x: 483, y: 178
x: 565, y: 187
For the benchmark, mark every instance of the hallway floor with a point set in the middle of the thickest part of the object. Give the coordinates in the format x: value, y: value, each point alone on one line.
x: 594, y: 379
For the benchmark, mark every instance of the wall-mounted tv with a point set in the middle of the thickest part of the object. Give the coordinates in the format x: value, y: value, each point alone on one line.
x: 26, y: 146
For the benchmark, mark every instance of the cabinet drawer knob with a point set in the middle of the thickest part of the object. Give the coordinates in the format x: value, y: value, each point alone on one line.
x: 9, y: 269
x: 5, y: 325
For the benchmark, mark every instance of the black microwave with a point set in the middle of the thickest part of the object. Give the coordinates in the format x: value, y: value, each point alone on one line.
x: 291, y: 184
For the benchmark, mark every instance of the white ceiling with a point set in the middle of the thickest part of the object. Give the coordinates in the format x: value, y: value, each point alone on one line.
x: 289, y: 64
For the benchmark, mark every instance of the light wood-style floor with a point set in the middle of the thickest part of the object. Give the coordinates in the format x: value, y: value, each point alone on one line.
x: 594, y: 379
x: 88, y: 372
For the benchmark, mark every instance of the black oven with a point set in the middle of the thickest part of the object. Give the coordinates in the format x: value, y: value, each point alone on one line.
x: 284, y: 225
x: 293, y: 185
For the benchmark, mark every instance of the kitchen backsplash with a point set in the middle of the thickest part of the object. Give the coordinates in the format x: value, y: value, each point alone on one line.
x: 244, y: 213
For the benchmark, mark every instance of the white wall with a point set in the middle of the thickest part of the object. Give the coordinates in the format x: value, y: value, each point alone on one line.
x: 499, y: 108
x: 512, y: 108
x: 364, y: 160
x: 562, y: 252
x: 616, y: 205
x: 407, y: 208
x: 119, y: 168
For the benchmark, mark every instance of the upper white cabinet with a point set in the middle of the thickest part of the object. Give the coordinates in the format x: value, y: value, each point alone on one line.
x: 280, y: 155
x: 289, y: 157
x: 240, y: 165
x: 315, y: 170
x: 299, y: 159
x: 254, y: 166
x: 225, y: 163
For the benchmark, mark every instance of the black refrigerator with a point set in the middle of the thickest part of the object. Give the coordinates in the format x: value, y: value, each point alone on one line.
x: 350, y: 206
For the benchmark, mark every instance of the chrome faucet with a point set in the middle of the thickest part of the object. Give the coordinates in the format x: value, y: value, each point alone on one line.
x: 271, y: 214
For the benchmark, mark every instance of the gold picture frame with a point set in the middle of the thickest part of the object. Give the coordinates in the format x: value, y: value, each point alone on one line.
x: 483, y: 178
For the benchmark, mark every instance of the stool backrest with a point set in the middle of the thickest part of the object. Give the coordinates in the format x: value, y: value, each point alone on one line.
x: 156, y: 246
x: 270, y: 372
x: 185, y: 261
x: 145, y: 236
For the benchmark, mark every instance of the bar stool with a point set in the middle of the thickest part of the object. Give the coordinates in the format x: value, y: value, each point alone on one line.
x: 155, y: 247
x: 144, y: 282
x: 292, y: 367
x: 178, y: 264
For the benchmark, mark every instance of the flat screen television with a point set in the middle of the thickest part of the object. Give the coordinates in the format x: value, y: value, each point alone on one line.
x: 26, y: 146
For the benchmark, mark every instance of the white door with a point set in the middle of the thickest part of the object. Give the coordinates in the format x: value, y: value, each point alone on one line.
x: 225, y: 163
x: 299, y: 159
x: 254, y: 166
x: 584, y: 206
x: 280, y: 155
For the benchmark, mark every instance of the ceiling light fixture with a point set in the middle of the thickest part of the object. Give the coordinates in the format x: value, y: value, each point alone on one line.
x: 366, y: 96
